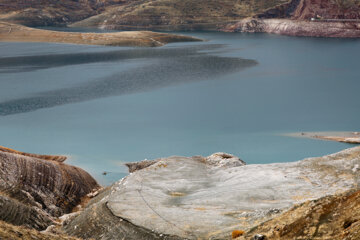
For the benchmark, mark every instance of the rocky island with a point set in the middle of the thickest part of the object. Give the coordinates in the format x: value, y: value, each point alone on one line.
x: 215, y: 197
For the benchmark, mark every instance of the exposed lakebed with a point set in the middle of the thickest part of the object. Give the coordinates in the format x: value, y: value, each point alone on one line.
x: 235, y: 93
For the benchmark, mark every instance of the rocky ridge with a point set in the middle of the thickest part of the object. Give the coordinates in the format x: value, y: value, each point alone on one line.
x: 36, y: 189
x: 297, y: 27
x: 200, y: 198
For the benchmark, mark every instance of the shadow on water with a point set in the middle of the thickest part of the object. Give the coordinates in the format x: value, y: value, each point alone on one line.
x: 31, y: 63
x: 164, y: 67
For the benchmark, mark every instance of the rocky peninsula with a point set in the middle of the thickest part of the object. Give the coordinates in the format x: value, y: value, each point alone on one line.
x: 344, y: 137
x: 214, y: 197
x: 10, y: 32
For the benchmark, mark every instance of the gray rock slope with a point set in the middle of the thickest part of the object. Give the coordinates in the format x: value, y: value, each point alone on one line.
x: 208, y: 198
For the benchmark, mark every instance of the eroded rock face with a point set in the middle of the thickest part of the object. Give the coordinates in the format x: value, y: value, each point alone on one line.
x: 297, y: 27
x: 180, y: 197
x: 33, y: 190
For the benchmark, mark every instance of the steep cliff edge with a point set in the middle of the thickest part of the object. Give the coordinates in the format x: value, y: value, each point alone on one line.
x: 35, y: 189
x: 297, y: 27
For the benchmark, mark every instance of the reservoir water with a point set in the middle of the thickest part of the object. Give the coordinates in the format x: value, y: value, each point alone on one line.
x: 235, y: 93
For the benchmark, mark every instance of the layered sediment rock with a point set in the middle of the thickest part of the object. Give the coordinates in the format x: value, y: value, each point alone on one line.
x: 203, y: 198
x: 35, y: 189
x: 297, y: 27
x: 11, y: 232
x: 15, y: 33
x: 310, y: 18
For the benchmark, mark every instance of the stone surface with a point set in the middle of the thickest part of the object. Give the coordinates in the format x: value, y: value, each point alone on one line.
x: 180, y: 197
x: 297, y: 27
x: 332, y: 217
x: 16, y: 33
x: 35, y: 189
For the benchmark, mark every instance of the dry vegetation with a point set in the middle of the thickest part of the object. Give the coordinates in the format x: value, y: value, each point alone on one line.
x: 332, y: 217
x: 178, y: 14
x: 11, y: 232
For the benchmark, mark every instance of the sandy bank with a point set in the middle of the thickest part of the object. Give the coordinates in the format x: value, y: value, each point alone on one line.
x: 345, y: 137
x: 16, y: 33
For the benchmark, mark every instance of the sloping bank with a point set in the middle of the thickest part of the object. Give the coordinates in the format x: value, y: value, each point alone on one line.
x: 37, y: 189
x: 211, y: 197
x: 302, y: 28
x: 16, y: 33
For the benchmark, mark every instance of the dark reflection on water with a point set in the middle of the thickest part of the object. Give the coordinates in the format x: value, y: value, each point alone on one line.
x: 166, y: 67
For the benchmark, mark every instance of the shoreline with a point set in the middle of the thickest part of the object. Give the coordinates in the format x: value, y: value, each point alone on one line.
x: 17, y: 33
x: 296, y: 28
x: 343, y: 137
x: 271, y: 200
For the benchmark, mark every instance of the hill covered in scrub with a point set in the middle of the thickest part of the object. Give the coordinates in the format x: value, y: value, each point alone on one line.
x: 51, y: 12
x: 125, y: 14
x: 169, y: 14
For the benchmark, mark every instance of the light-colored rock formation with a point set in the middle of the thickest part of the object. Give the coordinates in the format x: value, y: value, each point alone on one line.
x: 345, y: 137
x: 35, y: 189
x: 16, y: 33
x: 186, y: 197
x: 290, y: 27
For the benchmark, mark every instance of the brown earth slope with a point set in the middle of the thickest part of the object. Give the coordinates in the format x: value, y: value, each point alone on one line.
x: 329, y: 218
x: 16, y: 33
x: 11, y: 232
x: 35, y: 189
x: 320, y: 9
x: 51, y: 12
x: 177, y: 14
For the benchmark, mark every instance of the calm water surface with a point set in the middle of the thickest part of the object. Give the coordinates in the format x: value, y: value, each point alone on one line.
x: 235, y: 93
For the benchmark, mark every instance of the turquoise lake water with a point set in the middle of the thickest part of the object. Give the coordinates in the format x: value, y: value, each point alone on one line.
x: 234, y: 93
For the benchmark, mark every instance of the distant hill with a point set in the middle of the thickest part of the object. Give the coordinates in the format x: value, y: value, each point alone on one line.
x: 177, y: 14
x: 168, y: 14
x: 51, y: 12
